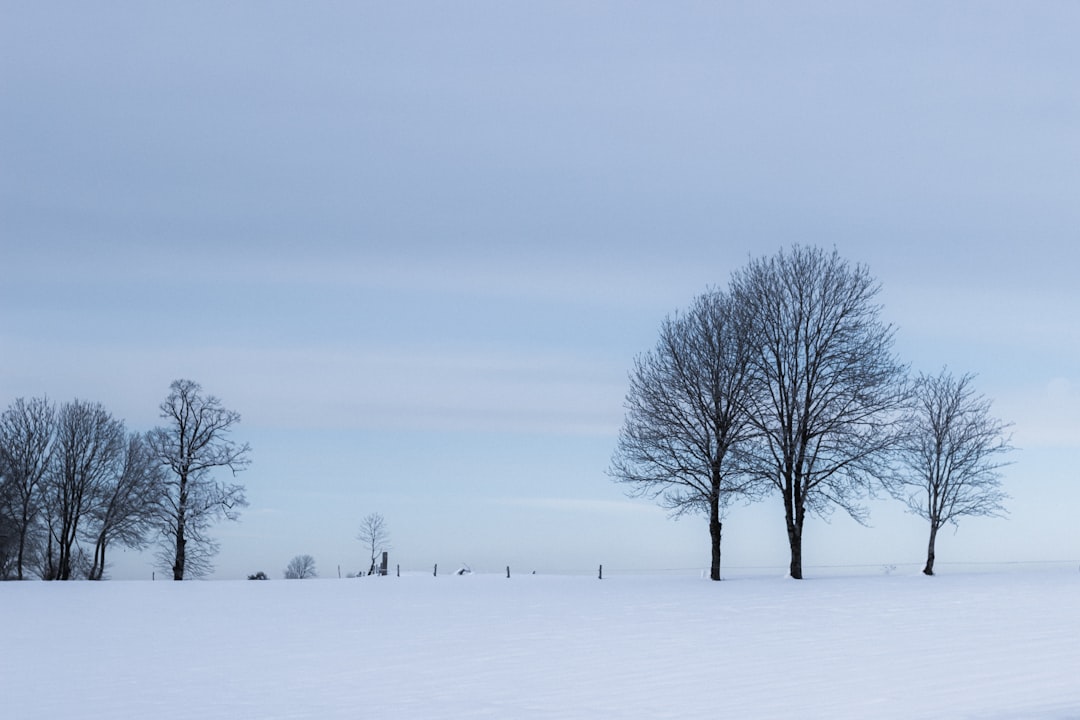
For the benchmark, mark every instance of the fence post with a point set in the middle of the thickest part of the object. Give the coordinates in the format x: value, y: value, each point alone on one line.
x: 601, y: 576
x: 507, y: 572
x: 399, y: 570
x: 436, y: 573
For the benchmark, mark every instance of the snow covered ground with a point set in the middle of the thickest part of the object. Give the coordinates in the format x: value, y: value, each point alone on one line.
x: 967, y: 645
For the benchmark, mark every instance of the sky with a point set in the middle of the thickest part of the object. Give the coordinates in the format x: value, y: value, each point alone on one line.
x: 418, y: 245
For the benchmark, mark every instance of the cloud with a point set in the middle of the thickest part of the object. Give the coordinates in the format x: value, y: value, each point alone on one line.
x: 423, y: 389
x: 588, y: 506
x: 418, y: 388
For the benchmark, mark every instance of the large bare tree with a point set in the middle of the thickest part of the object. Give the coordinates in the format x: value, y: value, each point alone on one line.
x: 125, y: 511
x: 88, y: 452
x: 193, y: 443
x: 951, y: 454
x: 827, y: 386
x: 375, y: 535
x: 686, y: 416
x: 27, y: 430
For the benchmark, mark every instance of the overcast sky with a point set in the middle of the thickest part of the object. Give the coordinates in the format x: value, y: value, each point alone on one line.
x: 417, y: 246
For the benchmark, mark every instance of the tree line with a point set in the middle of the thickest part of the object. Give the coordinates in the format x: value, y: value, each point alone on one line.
x: 74, y: 482
x: 785, y: 384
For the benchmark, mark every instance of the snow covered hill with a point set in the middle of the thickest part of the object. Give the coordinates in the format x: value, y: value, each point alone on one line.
x: 969, y: 645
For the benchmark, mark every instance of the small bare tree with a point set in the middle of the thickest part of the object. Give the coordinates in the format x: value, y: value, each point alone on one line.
x: 191, y: 445
x: 686, y: 416
x: 950, y: 455
x: 300, y: 567
x: 375, y: 536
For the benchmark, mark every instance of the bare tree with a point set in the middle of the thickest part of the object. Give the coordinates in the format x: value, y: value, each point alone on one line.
x: 125, y: 512
x: 375, y: 536
x: 951, y: 454
x: 88, y: 452
x: 27, y: 429
x: 686, y: 416
x: 827, y: 386
x: 9, y: 533
x: 192, y: 444
x: 300, y: 567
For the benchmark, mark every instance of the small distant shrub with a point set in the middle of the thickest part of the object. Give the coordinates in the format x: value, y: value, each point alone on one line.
x: 258, y: 576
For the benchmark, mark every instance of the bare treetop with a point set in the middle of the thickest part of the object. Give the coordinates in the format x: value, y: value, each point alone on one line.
x: 200, y: 424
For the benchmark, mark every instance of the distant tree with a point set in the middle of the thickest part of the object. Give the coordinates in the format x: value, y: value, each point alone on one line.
x: 27, y: 430
x: 88, y: 452
x: 375, y: 535
x: 191, y: 445
x: 258, y: 576
x: 951, y: 454
x: 300, y: 567
x: 686, y: 416
x: 827, y: 386
x: 126, y: 510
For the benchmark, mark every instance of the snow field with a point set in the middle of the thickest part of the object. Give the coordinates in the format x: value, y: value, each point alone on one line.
x: 484, y: 646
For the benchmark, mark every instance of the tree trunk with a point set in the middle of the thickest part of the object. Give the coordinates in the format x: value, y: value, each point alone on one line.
x: 181, y: 556
x: 795, y: 541
x: 97, y: 570
x: 181, y: 519
x: 50, y: 565
x: 23, y: 530
x: 716, y: 529
x: 794, y: 515
x: 929, y: 569
x: 22, y: 550
x: 64, y: 569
